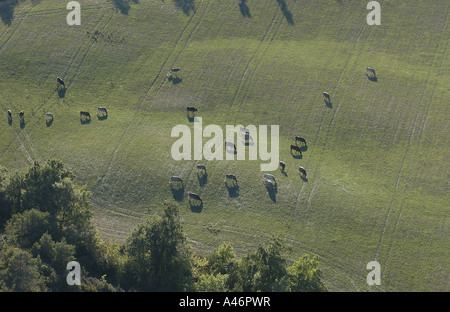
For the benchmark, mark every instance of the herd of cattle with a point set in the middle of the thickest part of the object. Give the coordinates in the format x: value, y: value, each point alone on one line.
x: 175, y: 181
x: 269, y: 179
x: 101, y: 111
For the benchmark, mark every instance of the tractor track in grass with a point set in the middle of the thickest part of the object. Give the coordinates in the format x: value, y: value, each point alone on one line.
x: 3, y: 46
x: 191, y: 170
x: 351, y: 56
x: 16, y: 16
x: 330, y: 259
x: 421, y: 131
x: 266, y: 34
x: 69, y: 66
x: 36, y: 120
x: 144, y: 99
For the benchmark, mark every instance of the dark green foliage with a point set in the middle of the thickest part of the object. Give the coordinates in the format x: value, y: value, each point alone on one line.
x: 48, y: 224
x: 19, y: 271
x: 158, y: 257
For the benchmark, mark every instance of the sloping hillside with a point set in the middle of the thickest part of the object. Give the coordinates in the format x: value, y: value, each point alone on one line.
x: 376, y: 156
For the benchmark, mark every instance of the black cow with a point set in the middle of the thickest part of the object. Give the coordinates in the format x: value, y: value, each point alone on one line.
x: 60, y: 81
x: 85, y: 114
x: 230, y: 177
x: 282, y: 165
x: 296, y: 148
x: 327, y: 97
x: 297, y: 138
x: 194, y: 196
x: 201, y: 168
x: 21, y: 114
x: 9, y: 114
x: 230, y: 144
x: 302, y: 170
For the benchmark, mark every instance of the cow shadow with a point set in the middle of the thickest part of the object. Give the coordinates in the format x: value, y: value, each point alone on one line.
x: 190, y: 116
x: 284, y: 9
x: 102, y: 117
x: 10, y: 121
x: 297, y: 155
x: 49, y: 122
x: 187, y: 6
x: 304, y: 148
x: 123, y: 6
x: 7, y: 11
x: 305, y: 179
x: 195, y: 206
x: 175, y: 80
x: 328, y: 104
x: 177, y: 193
x: 22, y: 123
x: 372, y: 78
x: 272, y: 192
x: 202, y: 178
x: 85, y: 121
x: 61, y: 92
x: 233, y: 190
x: 243, y: 7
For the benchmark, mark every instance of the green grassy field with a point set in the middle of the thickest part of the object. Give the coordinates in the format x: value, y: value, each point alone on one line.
x: 377, y: 157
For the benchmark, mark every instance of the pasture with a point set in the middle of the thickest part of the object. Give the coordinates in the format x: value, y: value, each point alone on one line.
x: 377, y: 154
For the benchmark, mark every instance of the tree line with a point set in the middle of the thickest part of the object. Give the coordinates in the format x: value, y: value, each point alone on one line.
x: 46, y: 222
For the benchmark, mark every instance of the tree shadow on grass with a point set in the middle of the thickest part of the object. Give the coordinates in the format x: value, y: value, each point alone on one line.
x: 187, y: 6
x: 243, y: 7
x: 123, y: 5
x: 7, y: 10
x: 287, y: 14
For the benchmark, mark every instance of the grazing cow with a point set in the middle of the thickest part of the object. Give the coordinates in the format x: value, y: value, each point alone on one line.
x: 269, y: 177
x: 175, y: 179
x: 102, y: 110
x: 49, y: 117
x: 9, y: 114
x: 201, y: 168
x: 282, y: 165
x: 297, y: 138
x: 60, y: 81
x: 302, y: 171
x: 230, y: 144
x: 296, y: 148
x: 230, y: 177
x: 85, y: 114
x: 326, y: 97
x: 269, y: 184
x: 371, y: 71
x: 173, y: 70
x: 194, y: 197
x: 21, y: 114
x: 191, y: 109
